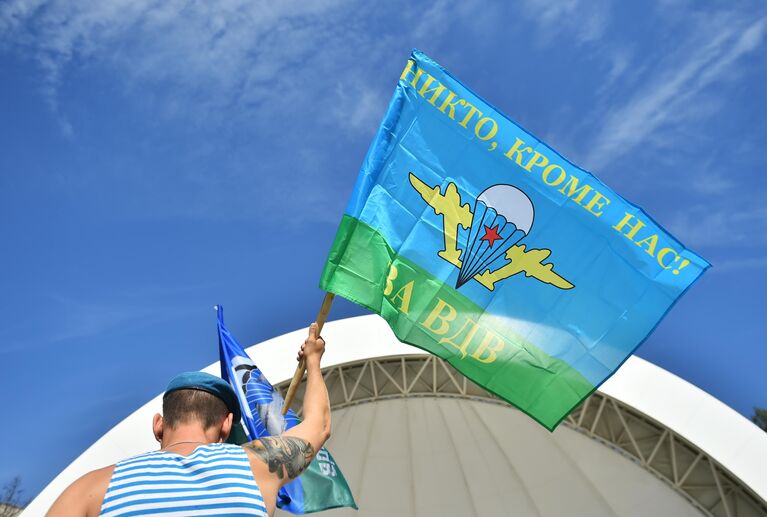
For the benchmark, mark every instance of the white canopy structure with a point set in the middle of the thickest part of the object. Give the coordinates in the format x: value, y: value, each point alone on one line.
x: 414, y: 437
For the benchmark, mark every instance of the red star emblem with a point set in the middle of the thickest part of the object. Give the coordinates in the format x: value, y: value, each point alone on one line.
x: 491, y: 235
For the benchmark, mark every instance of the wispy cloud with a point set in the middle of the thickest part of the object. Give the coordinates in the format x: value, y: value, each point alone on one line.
x: 711, y: 182
x: 262, y: 66
x: 672, y: 96
x: 366, y: 111
x: 221, y: 55
x: 231, y: 58
x: 234, y: 66
x: 620, y: 60
x: 704, y: 226
x: 75, y: 318
x: 740, y: 264
x: 586, y: 20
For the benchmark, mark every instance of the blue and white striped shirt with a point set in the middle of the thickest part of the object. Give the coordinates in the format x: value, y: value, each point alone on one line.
x: 215, y: 479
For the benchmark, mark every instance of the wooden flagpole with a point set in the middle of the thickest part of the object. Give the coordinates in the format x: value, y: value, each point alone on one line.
x: 301, y: 368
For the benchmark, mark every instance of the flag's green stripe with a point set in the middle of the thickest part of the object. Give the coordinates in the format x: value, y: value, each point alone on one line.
x: 360, y: 268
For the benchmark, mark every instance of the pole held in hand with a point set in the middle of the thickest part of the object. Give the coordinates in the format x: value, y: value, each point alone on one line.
x: 301, y: 368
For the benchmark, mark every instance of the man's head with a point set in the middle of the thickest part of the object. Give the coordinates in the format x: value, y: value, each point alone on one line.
x: 189, y: 405
x: 201, y: 400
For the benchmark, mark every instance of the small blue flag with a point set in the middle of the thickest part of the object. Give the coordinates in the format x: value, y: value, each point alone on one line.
x: 322, y: 486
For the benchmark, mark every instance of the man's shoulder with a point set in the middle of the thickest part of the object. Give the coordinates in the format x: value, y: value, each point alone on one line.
x: 93, y: 487
x: 99, y: 476
x: 84, y: 496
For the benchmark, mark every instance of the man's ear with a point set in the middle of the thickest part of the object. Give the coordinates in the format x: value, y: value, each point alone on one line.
x: 226, y: 427
x: 157, y: 426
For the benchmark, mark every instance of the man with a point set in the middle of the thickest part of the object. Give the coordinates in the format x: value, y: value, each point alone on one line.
x: 194, y: 472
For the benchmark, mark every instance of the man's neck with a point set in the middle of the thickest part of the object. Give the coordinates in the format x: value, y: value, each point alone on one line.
x: 186, y: 438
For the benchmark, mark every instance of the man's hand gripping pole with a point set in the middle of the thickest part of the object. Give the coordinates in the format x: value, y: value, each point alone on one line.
x: 301, y: 368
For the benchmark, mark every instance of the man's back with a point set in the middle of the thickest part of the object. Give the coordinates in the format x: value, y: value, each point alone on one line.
x: 199, y: 410
x: 214, y: 479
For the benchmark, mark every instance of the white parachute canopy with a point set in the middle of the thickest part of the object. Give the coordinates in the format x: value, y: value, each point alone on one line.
x: 502, y: 213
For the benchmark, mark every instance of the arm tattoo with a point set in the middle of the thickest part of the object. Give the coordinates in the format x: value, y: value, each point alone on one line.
x: 283, y: 454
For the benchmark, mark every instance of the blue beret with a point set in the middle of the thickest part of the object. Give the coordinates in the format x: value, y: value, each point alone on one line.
x: 210, y: 383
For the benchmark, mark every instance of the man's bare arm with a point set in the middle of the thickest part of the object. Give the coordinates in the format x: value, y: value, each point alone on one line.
x: 315, y: 427
x: 286, y: 456
x: 289, y: 454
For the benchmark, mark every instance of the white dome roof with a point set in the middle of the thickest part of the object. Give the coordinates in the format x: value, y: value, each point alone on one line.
x: 646, y: 443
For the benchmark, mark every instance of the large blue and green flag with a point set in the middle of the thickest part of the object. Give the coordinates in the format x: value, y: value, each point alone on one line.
x: 479, y: 243
x: 321, y: 486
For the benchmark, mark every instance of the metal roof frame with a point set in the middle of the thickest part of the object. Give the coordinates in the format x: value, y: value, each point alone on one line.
x: 683, y: 466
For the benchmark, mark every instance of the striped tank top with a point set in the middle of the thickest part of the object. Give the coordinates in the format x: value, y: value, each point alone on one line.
x: 215, y: 479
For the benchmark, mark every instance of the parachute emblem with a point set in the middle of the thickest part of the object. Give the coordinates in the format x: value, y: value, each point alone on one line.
x: 503, y: 215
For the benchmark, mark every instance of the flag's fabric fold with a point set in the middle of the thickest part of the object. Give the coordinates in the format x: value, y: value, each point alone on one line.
x: 322, y: 486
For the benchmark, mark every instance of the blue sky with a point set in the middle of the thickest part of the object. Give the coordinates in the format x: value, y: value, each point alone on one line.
x: 157, y: 158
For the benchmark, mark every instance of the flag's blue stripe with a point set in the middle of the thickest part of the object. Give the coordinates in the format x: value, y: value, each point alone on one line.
x: 621, y: 292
